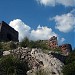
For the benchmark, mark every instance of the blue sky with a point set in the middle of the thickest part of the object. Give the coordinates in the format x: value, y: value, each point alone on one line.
x: 41, y: 19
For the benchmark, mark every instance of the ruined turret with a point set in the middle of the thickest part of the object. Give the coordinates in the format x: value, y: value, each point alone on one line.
x: 52, y: 42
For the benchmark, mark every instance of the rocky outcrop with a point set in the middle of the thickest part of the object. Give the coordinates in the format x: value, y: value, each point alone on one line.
x: 58, y: 55
x: 52, y: 65
x: 24, y: 54
x: 6, y: 53
x: 37, y: 60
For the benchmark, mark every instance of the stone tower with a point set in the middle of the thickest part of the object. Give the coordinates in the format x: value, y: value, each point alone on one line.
x: 52, y: 42
x: 7, y: 33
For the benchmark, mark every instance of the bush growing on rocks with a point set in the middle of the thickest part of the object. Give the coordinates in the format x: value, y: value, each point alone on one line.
x: 13, y: 45
x: 25, y: 42
x: 9, y: 45
x: 69, y: 68
x: 10, y: 65
x: 41, y: 72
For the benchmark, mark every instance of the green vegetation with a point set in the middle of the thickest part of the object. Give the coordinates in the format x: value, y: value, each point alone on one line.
x: 58, y: 50
x: 42, y: 44
x: 41, y: 72
x: 13, y: 45
x: 70, y: 58
x: 25, y: 42
x: 33, y: 44
x: 69, y: 68
x: 8, y: 45
x: 10, y: 65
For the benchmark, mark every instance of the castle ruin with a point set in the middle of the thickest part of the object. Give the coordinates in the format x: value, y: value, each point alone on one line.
x: 7, y: 33
x: 52, y: 42
x: 66, y: 48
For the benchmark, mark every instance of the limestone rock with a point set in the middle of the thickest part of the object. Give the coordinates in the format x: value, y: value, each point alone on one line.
x: 52, y: 65
x: 38, y: 61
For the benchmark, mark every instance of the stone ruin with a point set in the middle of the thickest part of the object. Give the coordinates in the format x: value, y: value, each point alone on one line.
x: 52, y: 42
x: 7, y: 33
x: 65, y: 48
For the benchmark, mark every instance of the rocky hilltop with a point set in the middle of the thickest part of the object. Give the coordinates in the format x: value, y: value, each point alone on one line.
x: 37, y: 61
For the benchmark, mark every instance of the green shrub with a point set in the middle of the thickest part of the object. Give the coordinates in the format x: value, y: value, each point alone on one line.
x: 70, y: 58
x: 41, y: 72
x: 10, y: 65
x: 9, y: 45
x: 25, y: 42
x: 32, y: 44
x: 69, y: 69
x: 12, y: 45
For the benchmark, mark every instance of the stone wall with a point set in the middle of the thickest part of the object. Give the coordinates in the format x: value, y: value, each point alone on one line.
x: 52, y: 42
x: 66, y: 48
x: 7, y: 33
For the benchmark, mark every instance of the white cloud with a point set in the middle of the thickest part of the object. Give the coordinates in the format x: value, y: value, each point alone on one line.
x: 21, y: 27
x: 62, y: 40
x: 47, y: 2
x: 73, y: 12
x: 41, y: 33
x: 65, y: 22
x: 66, y: 2
x: 55, y: 2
